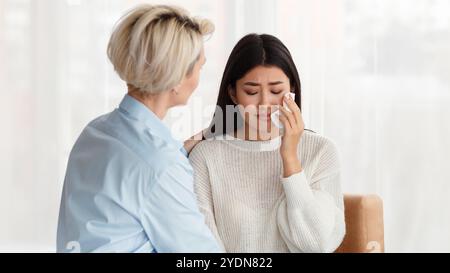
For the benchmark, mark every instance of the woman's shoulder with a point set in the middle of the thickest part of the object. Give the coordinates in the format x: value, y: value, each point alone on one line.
x: 205, y: 148
x: 319, y: 155
x: 317, y: 144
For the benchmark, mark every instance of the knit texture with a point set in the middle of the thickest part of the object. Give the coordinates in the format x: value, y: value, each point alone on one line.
x: 250, y: 207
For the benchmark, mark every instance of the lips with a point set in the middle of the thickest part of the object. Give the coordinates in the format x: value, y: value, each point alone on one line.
x: 263, y: 116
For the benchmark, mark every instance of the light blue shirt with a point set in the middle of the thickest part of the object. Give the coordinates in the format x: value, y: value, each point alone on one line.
x: 129, y: 188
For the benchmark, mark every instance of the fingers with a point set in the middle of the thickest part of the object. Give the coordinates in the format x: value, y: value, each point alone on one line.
x: 286, y: 123
x: 293, y: 107
x: 190, y: 144
x: 290, y: 118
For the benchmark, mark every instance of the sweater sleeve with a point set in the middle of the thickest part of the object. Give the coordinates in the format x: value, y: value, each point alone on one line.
x: 310, y: 216
x: 202, y: 188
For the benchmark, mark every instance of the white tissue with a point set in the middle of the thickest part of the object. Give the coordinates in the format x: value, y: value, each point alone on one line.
x: 275, y: 116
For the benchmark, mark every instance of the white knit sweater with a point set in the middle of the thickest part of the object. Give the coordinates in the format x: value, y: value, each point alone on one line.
x: 250, y: 207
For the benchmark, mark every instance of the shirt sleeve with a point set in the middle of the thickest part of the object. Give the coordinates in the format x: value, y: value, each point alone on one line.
x: 202, y: 189
x: 171, y: 217
x: 311, y: 215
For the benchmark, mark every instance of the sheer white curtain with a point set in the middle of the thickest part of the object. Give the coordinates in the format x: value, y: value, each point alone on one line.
x: 375, y: 78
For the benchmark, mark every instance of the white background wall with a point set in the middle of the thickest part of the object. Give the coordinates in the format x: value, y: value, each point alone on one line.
x: 375, y: 78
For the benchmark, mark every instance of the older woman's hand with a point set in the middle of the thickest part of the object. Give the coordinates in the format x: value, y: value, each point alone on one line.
x: 190, y: 143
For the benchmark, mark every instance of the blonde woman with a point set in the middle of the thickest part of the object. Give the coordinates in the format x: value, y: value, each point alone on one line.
x: 129, y: 184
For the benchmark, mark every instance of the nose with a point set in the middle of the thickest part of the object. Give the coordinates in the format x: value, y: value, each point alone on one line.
x: 267, y: 101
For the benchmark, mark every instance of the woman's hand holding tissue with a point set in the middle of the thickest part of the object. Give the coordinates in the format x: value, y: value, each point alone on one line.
x: 293, y: 130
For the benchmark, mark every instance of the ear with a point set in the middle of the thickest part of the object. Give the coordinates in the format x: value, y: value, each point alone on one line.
x: 232, y: 94
x: 175, y: 89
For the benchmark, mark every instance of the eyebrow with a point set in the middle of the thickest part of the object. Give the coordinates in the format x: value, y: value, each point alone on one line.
x: 258, y: 84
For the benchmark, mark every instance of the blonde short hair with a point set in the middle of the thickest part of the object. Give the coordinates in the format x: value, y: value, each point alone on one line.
x: 153, y: 47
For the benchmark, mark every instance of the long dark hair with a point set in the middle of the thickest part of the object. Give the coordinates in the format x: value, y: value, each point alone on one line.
x: 251, y: 51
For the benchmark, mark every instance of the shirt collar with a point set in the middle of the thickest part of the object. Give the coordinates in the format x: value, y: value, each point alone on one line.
x: 140, y: 112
